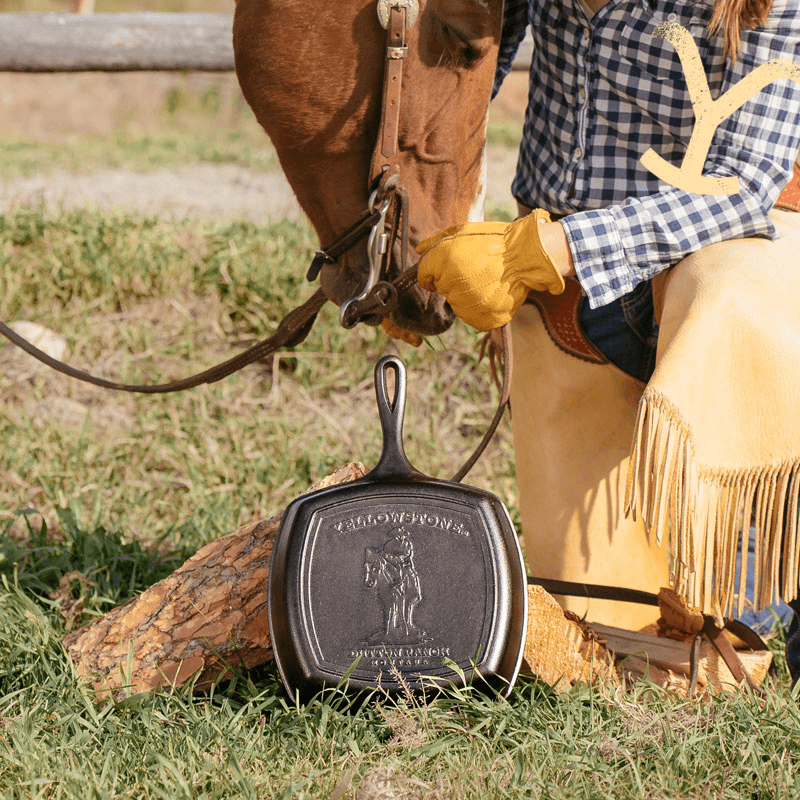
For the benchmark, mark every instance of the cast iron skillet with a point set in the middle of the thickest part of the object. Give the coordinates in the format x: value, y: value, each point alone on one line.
x: 398, y: 579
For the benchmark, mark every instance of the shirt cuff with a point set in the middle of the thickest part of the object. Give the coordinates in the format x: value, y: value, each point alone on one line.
x: 599, y: 256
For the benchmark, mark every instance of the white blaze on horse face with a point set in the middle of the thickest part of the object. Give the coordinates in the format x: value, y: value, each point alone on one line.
x: 477, y: 210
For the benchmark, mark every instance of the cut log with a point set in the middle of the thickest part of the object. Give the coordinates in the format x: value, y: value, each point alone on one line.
x: 560, y: 649
x: 205, y: 619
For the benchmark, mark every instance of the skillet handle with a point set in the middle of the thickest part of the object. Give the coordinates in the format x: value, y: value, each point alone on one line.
x: 393, y: 462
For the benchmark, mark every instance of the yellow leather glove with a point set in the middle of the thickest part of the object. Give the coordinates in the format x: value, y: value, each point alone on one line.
x: 486, y: 269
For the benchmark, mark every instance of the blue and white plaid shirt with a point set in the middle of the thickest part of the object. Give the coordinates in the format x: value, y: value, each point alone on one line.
x: 604, y: 90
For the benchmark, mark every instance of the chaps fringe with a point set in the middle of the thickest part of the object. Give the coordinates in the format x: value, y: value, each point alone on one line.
x: 707, y: 512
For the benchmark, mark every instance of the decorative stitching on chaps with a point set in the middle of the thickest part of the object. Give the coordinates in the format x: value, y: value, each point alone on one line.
x: 560, y: 314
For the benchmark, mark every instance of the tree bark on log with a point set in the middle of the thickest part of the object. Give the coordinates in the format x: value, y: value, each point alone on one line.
x: 206, y: 619
x: 209, y: 616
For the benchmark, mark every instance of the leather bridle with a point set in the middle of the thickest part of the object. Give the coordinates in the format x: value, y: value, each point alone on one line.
x: 388, y: 198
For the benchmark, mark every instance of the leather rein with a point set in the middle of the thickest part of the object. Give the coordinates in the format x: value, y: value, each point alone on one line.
x: 384, y: 222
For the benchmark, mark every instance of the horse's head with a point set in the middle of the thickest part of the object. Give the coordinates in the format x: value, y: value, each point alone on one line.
x: 313, y: 73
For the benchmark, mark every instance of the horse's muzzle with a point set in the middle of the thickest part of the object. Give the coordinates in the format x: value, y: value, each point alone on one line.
x: 417, y: 310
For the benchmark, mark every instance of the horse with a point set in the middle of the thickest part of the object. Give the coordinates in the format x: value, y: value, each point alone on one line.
x: 314, y: 76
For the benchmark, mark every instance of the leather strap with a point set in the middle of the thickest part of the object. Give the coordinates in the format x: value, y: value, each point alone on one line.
x: 789, y: 199
x: 347, y: 239
x: 505, y: 393
x: 723, y: 646
x: 385, y: 156
x: 292, y: 330
x: 595, y: 591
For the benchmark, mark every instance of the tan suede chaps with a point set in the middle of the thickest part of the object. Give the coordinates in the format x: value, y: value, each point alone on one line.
x: 646, y: 486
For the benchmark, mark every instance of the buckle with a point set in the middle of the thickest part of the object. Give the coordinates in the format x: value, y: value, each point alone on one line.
x: 411, y: 7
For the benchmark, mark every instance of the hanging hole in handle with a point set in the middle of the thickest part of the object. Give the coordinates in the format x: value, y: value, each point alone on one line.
x: 390, y: 390
x: 391, y: 384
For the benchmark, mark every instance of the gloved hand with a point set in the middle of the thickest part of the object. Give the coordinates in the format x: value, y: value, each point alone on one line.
x: 486, y: 269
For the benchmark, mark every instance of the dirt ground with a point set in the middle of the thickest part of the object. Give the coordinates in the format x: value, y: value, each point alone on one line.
x: 61, y: 108
x: 198, y: 191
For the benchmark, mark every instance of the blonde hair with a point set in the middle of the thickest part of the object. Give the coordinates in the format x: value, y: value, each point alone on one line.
x: 732, y: 16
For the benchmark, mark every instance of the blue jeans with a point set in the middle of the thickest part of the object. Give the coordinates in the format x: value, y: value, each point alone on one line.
x: 762, y: 622
x: 625, y: 331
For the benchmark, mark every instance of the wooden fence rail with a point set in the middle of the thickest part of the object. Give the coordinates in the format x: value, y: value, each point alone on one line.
x: 58, y: 42
x: 115, y: 42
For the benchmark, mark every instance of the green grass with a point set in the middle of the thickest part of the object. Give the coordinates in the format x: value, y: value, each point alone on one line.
x: 245, y: 740
x: 144, y: 300
x: 126, y: 487
x: 138, y: 152
x: 189, y: 119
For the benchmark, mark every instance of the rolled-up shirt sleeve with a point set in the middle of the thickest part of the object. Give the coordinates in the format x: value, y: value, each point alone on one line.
x: 617, y: 247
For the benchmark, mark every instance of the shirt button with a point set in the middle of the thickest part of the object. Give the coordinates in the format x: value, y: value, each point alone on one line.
x: 672, y: 17
x: 586, y: 35
x: 581, y: 95
x: 577, y: 153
